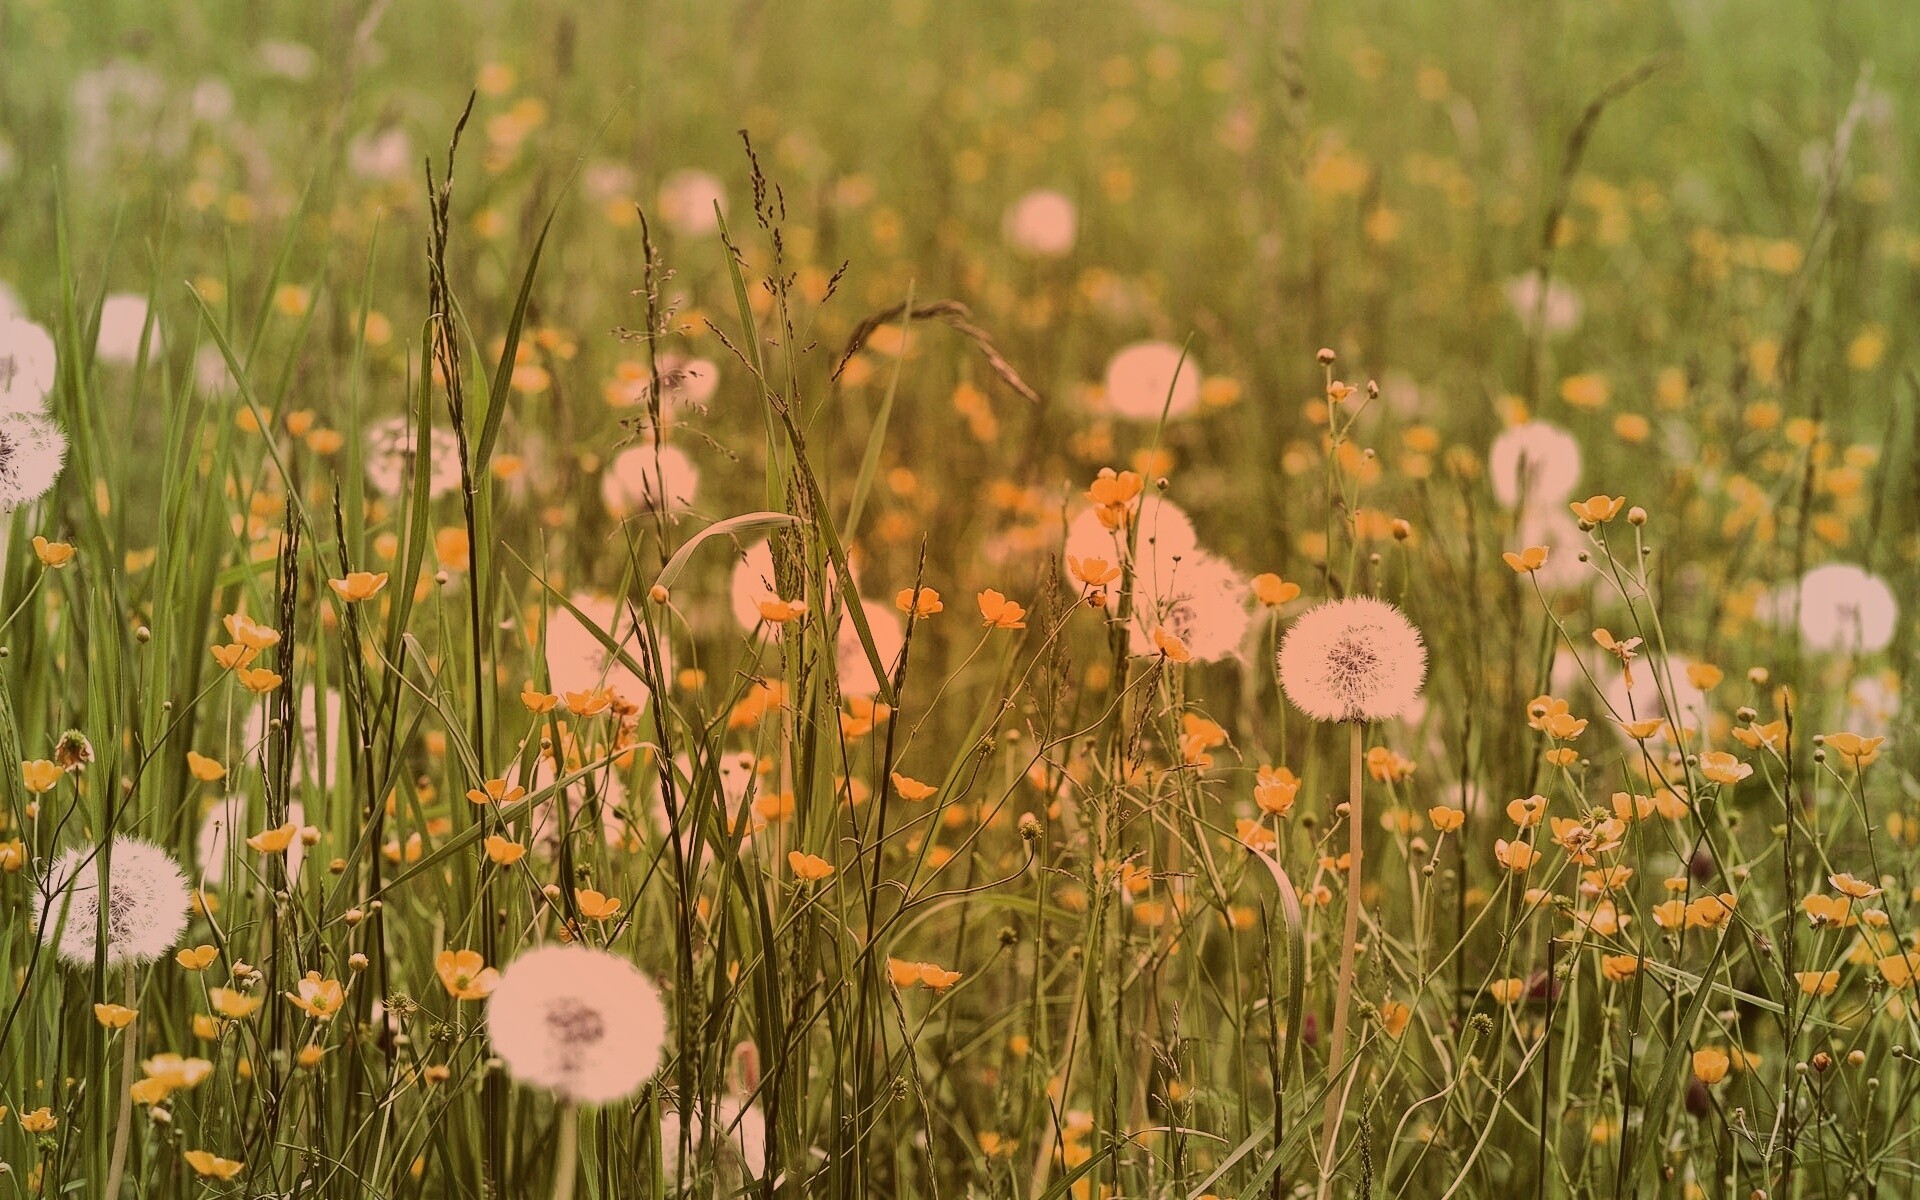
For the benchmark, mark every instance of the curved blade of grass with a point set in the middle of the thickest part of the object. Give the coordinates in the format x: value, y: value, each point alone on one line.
x: 1296, y: 946
x: 1654, y: 1107
x: 870, y: 461
x: 751, y: 522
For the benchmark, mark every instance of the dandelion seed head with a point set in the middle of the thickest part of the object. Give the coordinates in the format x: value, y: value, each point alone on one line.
x: 217, y: 843
x: 581, y: 1023
x: 578, y: 661
x: 1534, y: 463
x: 146, y: 900
x: 742, y: 1138
x: 29, y: 363
x: 123, y: 330
x: 647, y: 477
x: 390, y: 457
x: 1042, y: 224
x: 889, y: 638
x: 1846, y: 610
x: 687, y: 201
x: 1563, y: 305
x: 1357, y: 659
x: 1202, y: 600
x: 312, y: 762
x: 1165, y: 537
x: 1147, y: 378
x: 33, y: 449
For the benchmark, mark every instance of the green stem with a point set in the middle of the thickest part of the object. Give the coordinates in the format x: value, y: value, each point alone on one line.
x: 129, y: 1059
x: 567, y: 1152
x: 1343, y: 994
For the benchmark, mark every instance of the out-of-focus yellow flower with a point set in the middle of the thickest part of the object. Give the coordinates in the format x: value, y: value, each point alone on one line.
x: 809, y: 868
x: 209, y: 1165
x: 1526, y: 562
x: 1710, y: 1065
x: 358, y: 585
x: 52, y: 554
x: 1598, y: 510
x: 39, y: 775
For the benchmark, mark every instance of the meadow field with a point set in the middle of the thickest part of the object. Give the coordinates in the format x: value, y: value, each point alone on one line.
x: 874, y: 598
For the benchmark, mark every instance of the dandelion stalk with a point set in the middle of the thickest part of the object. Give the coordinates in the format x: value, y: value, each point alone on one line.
x: 567, y: 1153
x: 129, y: 1059
x: 1343, y: 989
x: 1352, y: 661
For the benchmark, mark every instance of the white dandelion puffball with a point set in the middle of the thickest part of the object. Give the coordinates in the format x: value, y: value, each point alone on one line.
x: 1535, y: 463
x: 1873, y: 703
x: 1147, y: 378
x: 211, y: 375
x: 390, y: 457
x: 686, y: 384
x: 641, y: 476
x: 313, y: 762
x: 742, y: 1136
x: 1042, y: 224
x: 687, y: 201
x: 1563, y: 305
x: 1846, y: 610
x: 1203, y: 601
x: 584, y: 1024
x: 147, y: 901
x: 383, y: 157
x: 1165, y: 535
x: 33, y: 448
x: 1357, y: 659
x: 753, y: 582
x: 217, y: 844
x: 28, y: 365
x: 288, y: 60
x: 123, y: 329
x: 889, y: 638
x: 578, y: 661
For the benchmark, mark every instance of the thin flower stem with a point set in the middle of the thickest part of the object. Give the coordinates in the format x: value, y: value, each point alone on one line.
x: 129, y: 1058
x: 1343, y: 990
x: 566, y: 1155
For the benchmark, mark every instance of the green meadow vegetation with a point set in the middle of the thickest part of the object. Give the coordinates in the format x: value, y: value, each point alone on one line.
x: 886, y: 599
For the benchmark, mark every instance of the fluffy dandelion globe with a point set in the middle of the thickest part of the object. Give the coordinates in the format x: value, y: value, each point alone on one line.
x: 1846, y: 610
x: 1165, y: 536
x: 889, y: 638
x: 1563, y: 305
x: 1533, y: 463
x: 688, y: 199
x: 383, y: 156
x: 647, y: 477
x: 1147, y: 378
x: 313, y: 761
x: 1203, y: 601
x: 33, y: 448
x: 390, y: 457
x: 124, y: 330
x: 146, y: 902
x: 578, y: 661
x: 1357, y: 659
x: 1042, y: 224
x: 581, y: 1023
x: 223, y: 838
x: 742, y: 1136
x: 28, y: 364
